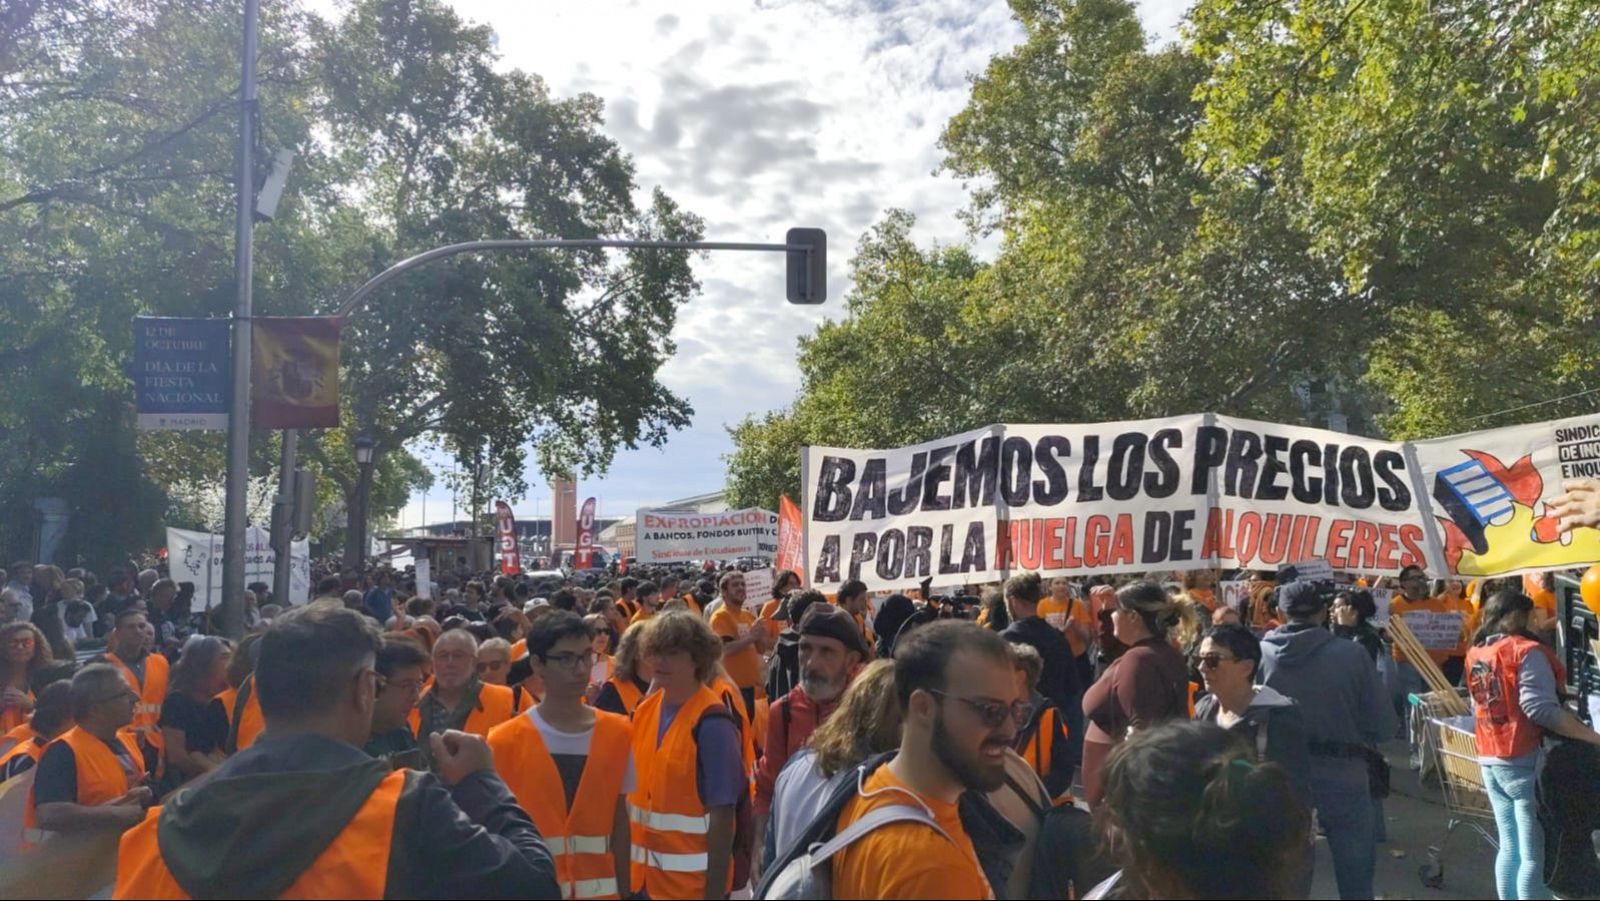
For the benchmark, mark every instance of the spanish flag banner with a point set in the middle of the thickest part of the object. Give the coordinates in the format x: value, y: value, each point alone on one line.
x: 294, y: 372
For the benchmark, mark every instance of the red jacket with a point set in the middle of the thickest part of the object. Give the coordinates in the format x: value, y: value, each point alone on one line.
x: 790, y: 723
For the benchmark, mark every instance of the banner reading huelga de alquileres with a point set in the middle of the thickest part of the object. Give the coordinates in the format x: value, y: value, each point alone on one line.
x: 675, y: 536
x: 1190, y: 492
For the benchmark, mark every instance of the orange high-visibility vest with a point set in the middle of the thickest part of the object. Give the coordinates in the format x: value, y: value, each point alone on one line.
x: 102, y: 777
x: 146, y: 723
x: 16, y: 736
x: 1039, y: 748
x: 13, y: 717
x: 670, y: 824
x: 354, y: 865
x: 520, y: 649
x: 496, y: 704
x: 627, y: 691
x: 243, y: 724
x: 32, y: 746
x: 580, y: 837
x: 1493, y: 678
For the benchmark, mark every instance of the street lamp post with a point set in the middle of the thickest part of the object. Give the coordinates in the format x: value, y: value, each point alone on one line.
x: 355, y: 545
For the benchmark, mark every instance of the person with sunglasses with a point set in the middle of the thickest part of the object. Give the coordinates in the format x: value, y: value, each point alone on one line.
x: 569, y: 765
x: 1270, y: 723
x: 957, y: 691
x: 353, y: 826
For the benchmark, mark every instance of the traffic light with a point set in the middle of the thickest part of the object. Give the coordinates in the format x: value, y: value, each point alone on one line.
x: 808, y: 269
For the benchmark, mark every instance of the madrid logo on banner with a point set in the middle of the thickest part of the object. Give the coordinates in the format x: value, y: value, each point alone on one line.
x: 180, y: 372
x: 294, y: 372
x: 1193, y: 492
x: 510, y: 554
x: 584, y: 558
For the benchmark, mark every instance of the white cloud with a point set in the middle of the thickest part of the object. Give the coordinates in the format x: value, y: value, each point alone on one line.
x: 759, y: 117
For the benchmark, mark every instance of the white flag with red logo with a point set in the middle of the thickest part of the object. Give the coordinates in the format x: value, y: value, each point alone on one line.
x: 510, y: 556
x: 584, y: 558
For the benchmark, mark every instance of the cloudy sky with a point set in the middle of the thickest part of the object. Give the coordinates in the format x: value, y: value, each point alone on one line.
x: 759, y: 116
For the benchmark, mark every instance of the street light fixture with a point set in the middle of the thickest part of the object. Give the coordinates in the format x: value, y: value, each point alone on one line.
x: 355, y: 545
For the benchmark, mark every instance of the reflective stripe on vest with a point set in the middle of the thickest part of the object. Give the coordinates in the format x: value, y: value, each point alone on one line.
x: 354, y: 865
x: 578, y: 835
x: 672, y: 863
x: 670, y: 823
x: 147, y: 714
x: 591, y: 888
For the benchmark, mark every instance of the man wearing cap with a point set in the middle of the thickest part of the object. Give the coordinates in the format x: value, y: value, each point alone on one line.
x: 832, y: 650
x: 1345, y: 715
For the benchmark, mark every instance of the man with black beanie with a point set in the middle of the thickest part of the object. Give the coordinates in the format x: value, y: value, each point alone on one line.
x: 832, y: 650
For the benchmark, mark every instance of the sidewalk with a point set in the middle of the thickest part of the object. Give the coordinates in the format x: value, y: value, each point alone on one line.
x: 1416, y: 819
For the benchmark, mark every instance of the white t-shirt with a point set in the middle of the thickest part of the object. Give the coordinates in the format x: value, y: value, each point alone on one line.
x: 576, y: 744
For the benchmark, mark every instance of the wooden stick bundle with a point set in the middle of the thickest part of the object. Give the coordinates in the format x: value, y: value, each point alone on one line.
x: 1450, y: 702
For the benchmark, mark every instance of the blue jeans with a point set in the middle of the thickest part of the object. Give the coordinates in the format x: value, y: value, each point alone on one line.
x: 1343, y: 798
x: 1519, y: 864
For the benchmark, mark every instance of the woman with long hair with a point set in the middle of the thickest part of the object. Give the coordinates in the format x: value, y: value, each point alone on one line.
x: 1516, y: 683
x: 1146, y: 686
x: 192, y: 730
x: 24, y: 655
x: 630, y: 674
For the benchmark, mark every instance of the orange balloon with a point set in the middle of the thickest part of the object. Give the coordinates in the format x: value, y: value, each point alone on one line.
x: 1534, y: 585
x: 1590, y: 588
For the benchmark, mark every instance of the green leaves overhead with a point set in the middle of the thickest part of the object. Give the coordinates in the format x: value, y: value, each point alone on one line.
x: 1384, y: 208
x: 117, y: 126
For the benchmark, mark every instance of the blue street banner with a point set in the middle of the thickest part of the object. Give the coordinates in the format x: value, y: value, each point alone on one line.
x: 180, y: 372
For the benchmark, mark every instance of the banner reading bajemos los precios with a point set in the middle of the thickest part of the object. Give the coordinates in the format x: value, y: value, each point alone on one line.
x: 673, y: 536
x: 1191, y: 492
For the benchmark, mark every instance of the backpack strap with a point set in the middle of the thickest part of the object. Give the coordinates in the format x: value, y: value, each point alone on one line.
x: 1039, y: 810
x: 873, y: 820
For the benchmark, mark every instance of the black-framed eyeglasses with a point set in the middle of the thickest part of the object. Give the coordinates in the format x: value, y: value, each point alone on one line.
x: 993, y: 714
x: 570, y: 661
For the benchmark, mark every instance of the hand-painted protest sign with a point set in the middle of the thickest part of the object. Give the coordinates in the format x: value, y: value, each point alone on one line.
x: 1185, y: 492
x: 673, y: 536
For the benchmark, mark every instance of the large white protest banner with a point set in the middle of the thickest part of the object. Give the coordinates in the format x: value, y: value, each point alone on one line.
x: 197, y: 557
x: 1189, y: 492
x: 674, y: 536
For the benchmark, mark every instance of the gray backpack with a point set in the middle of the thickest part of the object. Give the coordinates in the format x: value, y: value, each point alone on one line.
x: 809, y: 874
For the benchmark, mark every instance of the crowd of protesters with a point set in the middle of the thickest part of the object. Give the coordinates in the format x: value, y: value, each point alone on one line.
x: 660, y: 734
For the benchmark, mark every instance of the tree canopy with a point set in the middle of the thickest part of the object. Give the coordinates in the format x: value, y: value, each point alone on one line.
x: 1382, y: 209
x: 117, y: 131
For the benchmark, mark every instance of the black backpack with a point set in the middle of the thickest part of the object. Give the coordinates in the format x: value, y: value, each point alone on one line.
x: 783, y: 668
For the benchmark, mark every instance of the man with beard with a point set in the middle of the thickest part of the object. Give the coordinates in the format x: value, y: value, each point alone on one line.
x: 955, y: 738
x: 128, y: 649
x: 832, y: 651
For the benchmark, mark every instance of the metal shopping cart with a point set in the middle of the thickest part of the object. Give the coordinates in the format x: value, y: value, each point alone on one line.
x: 1455, y: 749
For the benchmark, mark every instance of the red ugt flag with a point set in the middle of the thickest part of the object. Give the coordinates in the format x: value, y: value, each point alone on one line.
x: 510, y: 555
